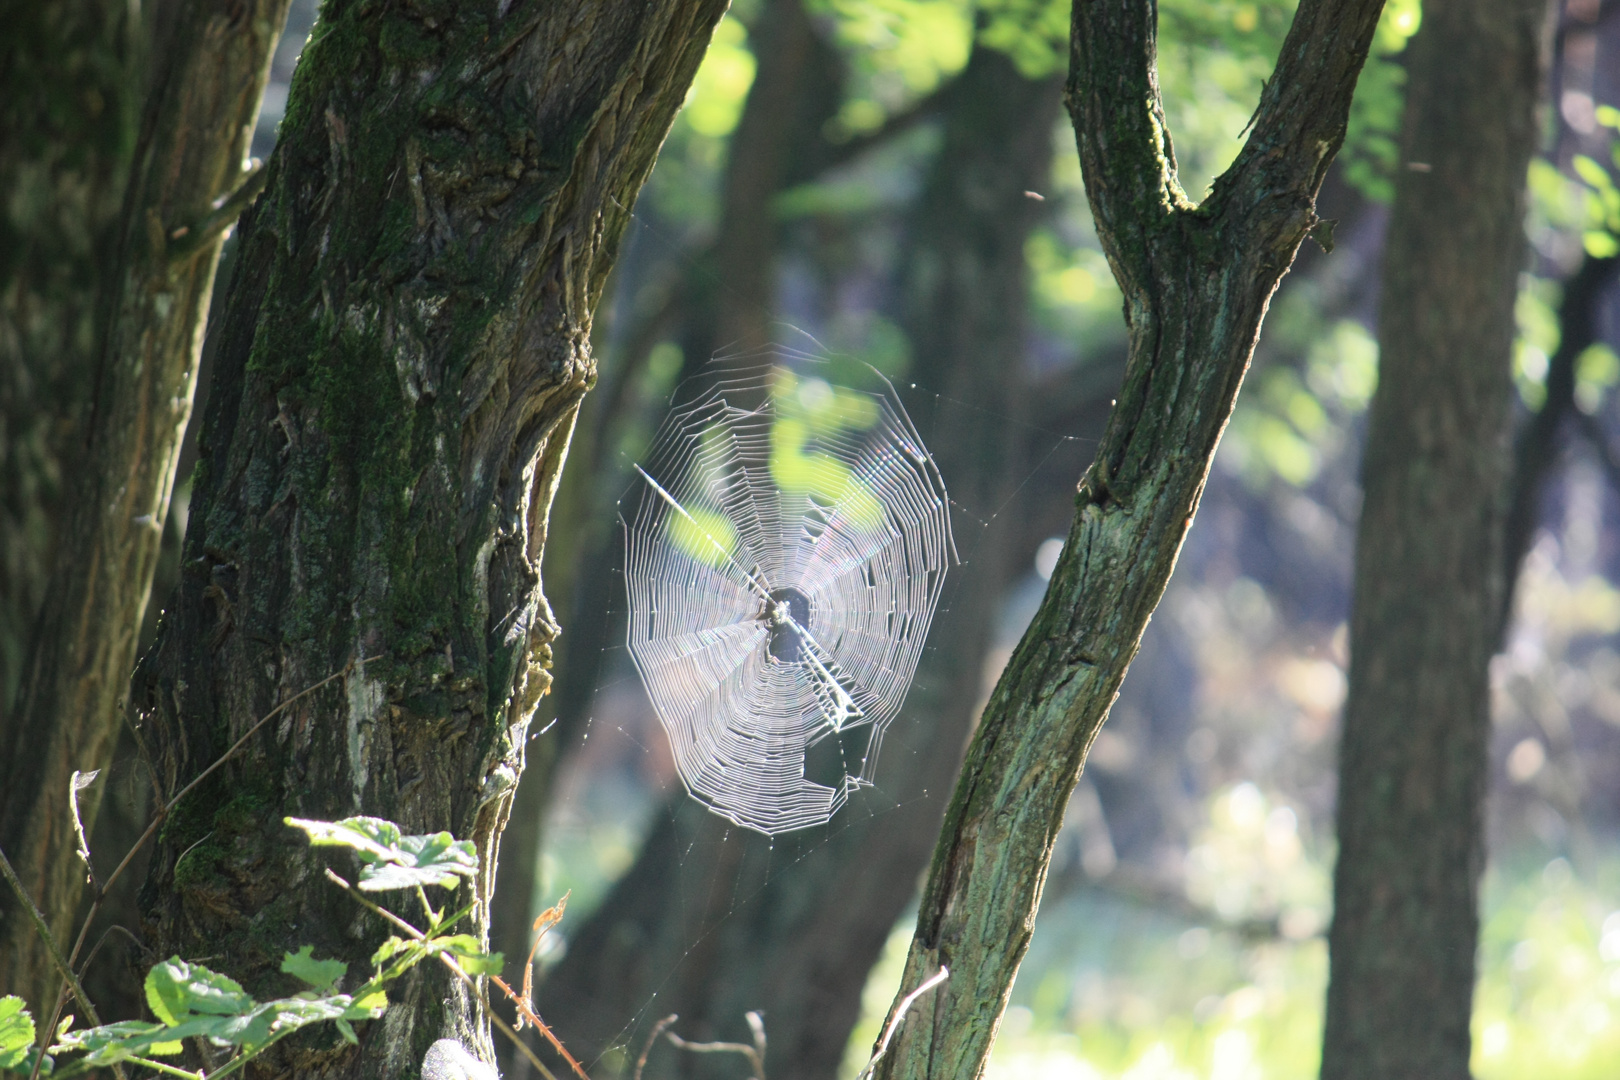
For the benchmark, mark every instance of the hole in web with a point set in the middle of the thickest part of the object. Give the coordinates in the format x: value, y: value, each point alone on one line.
x: 838, y: 756
x: 787, y: 644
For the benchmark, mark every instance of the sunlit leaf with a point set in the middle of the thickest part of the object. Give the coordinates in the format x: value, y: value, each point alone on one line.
x: 321, y: 974
x: 469, y: 953
x: 176, y: 989
x: 393, y: 861
x: 16, y: 1031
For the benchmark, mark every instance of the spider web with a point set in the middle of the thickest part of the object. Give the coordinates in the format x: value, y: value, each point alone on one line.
x: 783, y: 565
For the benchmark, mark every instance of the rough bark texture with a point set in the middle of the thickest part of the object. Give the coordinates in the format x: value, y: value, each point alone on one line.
x: 724, y: 296
x: 712, y: 921
x: 404, y: 349
x: 1412, y: 763
x: 1196, y: 282
x: 194, y: 134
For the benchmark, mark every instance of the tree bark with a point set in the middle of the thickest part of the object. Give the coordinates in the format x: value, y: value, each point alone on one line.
x: 1429, y: 566
x: 402, y: 356
x: 712, y: 921
x: 194, y: 133
x: 1196, y: 282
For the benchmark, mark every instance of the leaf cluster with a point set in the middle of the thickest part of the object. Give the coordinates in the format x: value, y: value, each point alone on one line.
x: 192, y: 1001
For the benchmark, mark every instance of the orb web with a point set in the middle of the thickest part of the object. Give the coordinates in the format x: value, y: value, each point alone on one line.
x: 783, y: 564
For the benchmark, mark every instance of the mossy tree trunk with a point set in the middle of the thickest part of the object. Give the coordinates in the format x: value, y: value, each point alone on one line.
x: 186, y: 164
x: 713, y: 921
x: 1196, y: 282
x: 1429, y: 565
x: 405, y: 346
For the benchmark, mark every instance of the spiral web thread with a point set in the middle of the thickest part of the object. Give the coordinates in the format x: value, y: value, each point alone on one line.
x: 783, y: 565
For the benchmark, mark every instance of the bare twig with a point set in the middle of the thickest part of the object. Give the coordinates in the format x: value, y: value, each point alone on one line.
x: 755, y: 1053
x: 77, y: 783
x: 658, y: 1029
x: 189, y: 239
x: 898, y: 1015
x: 49, y: 939
x: 168, y: 807
x: 542, y: 923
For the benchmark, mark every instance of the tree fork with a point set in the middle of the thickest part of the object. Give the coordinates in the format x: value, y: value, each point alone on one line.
x: 401, y: 360
x: 1196, y: 282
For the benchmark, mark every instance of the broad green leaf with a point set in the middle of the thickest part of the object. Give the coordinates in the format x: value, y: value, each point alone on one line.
x: 176, y: 989
x: 16, y: 1032
x: 393, y: 861
x: 374, y: 838
x: 112, y: 1043
x: 321, y: 974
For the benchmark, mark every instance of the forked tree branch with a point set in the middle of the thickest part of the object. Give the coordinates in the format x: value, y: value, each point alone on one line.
x: 1196, y: 283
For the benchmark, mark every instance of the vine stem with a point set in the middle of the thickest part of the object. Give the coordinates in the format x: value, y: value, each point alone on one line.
x: 460, y: 973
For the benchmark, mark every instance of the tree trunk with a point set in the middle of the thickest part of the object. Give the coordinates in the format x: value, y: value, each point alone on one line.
x: 194, y: 134
x: 1412, y: 763
x: 67, y: 127
x: 401, y: 359
x: 1196, y: 281
x: 712, y: 921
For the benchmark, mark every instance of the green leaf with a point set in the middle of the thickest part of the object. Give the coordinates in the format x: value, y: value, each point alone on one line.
x: 469, y: 953
x: 176, y: 989
x: 374, y: 838
x: 112, y: 1043
x: 347, y: 1031
x: 367, y: 1005
x: 16, y: 1032
x: 388, y: 950
x: 393, y: 861
x: 321, y: 974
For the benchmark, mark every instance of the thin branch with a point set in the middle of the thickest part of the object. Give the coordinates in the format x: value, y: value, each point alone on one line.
x: 221, y: 760
x: 62, y: 966
x: 190, y: 239
x: 77, y: 783
x: 658, y: 1029
x: 755, y: 1053
x: 457, y: 970
x: 898, y: 1015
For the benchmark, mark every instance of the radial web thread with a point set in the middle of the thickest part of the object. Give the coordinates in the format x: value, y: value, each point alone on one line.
x: 783, y: 564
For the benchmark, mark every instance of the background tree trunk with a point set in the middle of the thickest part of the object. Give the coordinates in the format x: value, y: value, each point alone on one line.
x: 713, y: 921
x: 68, y: 119
x: 402, y: 356
x: 1412, y: 763
x: 195, y: 130
x: 1196, y: 282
